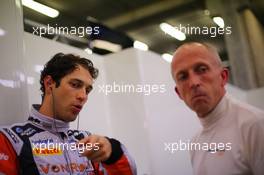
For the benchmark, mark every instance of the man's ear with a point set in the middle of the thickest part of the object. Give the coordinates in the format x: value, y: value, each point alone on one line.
x: 224, y: 76
x: 177, y: 92
x: 48, y: 83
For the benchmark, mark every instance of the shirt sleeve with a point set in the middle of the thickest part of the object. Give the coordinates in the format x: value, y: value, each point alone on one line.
x: 8, y: 157
x: 120, y: 162
x: 255, y: 146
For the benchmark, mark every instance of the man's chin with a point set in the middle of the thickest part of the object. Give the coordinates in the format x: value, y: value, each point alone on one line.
x: 201, y: 109
x: 70, y: 118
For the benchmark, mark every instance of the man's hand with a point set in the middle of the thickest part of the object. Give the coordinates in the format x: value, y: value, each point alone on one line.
x: 101, y: 149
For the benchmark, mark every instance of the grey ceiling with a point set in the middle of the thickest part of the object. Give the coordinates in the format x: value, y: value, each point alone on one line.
x: 139, y: 19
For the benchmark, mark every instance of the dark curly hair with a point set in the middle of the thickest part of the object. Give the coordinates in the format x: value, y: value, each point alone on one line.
x: 61, y: 65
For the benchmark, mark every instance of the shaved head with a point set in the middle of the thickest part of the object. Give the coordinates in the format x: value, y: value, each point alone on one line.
x: 213, y: 51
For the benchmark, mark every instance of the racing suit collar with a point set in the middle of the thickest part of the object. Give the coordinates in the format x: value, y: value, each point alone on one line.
x: 46, y: 122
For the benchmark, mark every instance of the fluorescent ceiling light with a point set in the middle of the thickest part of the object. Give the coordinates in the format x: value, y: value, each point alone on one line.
x: 207, y: 12
x: 140, y: 45
x: 167, y: 57
x: 92, y: 19
x: 2, y: 32
x: 88, y: 50
x: 168, y: 29
x: 41, y: 8
x: 219, y: 21
x: 106, y: 45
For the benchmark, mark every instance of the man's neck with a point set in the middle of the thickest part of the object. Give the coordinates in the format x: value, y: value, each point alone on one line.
x: 204, y: 114
x: 46, y: 109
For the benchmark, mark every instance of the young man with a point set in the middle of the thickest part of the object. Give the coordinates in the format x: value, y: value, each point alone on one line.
x: 45, y: 144
x: 231, y: 141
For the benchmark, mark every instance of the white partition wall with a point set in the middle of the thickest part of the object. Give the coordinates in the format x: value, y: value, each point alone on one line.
x: 126, y: 106
x: 13, y: 90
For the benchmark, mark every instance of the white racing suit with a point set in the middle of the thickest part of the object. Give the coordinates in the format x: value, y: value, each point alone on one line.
x: 39, y: 146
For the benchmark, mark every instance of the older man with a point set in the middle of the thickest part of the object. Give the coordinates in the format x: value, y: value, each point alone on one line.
x: 232, y: 131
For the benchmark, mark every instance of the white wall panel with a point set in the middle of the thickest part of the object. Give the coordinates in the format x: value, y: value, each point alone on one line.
x: 13, y: 89
x: 126, y: 107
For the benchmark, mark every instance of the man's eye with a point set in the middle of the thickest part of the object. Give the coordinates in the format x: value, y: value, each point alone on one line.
x: 201, y: 69
x: 182, y: 77
x: 74, y: 85
x: 89, y: 89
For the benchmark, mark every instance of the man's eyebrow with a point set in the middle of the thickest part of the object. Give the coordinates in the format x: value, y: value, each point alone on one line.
x: 80, y: 81
x: 76, y: 79
x: 199, y: 63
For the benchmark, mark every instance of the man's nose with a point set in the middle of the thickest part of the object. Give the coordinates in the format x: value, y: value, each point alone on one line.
x: 194, y: 81
x: 82, y: 96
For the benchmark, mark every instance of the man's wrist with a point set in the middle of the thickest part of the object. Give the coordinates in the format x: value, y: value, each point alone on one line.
x: 116, y: 153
